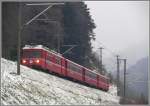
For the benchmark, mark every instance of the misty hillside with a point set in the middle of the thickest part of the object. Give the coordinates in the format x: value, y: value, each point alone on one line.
x: 36, y: 87
x: 137, y: 77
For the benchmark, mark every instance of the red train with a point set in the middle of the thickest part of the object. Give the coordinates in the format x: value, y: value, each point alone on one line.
x: 40, y: 56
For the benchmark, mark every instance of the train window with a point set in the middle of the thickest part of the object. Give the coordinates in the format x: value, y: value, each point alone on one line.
x: 102, y: 79
x: 107, y: 81
x: 32, y: 54
x: 58, y: 60
x: 63, y: 63
x: 74, y: 67
x: 49, y: 57
x: 90, y: 74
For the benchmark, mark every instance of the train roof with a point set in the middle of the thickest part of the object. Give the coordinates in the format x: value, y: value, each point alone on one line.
x: 87, y: 69
x: 59, y: 55
x: 41, y: 47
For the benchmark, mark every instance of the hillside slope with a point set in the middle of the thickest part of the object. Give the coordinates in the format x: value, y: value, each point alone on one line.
x: 34, y: 87
x: 138, y: 77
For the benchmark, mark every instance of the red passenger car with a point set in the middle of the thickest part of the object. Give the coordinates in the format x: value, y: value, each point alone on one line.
x: 42, y: 57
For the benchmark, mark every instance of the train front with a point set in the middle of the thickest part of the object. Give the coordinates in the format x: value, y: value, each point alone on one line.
x: 32, y: 57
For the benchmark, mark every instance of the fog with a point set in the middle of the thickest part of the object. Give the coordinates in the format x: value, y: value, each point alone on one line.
x: 122, y: 27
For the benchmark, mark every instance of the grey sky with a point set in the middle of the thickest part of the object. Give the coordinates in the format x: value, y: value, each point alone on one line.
x: 122, y: 26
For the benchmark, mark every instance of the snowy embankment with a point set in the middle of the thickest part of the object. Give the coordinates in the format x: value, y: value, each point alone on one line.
x: 34, y: 87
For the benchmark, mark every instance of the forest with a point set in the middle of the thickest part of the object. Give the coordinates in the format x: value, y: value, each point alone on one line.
x: 57, y: 28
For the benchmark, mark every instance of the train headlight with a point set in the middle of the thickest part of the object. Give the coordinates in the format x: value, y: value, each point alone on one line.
x: 24, y: 61
x: 37, y: 61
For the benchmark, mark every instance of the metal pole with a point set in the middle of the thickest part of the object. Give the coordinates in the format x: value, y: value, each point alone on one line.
x: 124, y: 78
x: 118, y: 75
x: 58, y: 37
x: 19, y: 41
x: 100, y: 59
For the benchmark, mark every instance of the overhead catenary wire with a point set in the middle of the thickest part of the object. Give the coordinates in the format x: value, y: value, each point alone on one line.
x: 108, y: 51
x: 106, y: 48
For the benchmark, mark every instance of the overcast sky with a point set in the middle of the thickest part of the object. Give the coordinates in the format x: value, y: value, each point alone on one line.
x: 122, y: 26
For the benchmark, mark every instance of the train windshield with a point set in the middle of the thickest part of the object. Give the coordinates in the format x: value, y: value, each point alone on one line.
x: 32, y: 54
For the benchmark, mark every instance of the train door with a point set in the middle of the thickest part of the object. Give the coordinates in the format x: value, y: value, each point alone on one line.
x: 83, y: 74
x: 66, y: 67
x: 63, y: 66
x: 97, y: 80
x: 44, y: 53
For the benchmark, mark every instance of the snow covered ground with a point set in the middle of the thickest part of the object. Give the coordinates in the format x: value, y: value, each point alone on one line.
x: 35, y: 87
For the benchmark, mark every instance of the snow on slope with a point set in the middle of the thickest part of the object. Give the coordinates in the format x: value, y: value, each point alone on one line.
x: 35, y: 87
